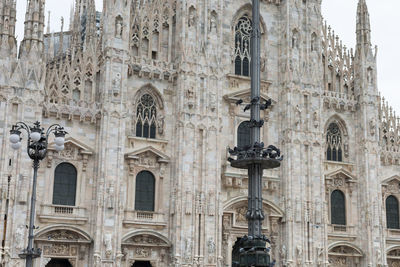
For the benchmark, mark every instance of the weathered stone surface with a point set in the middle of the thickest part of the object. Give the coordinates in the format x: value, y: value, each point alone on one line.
x: 170, y: 65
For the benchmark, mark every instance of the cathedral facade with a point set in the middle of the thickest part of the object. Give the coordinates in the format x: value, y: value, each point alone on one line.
x: 147, y: 91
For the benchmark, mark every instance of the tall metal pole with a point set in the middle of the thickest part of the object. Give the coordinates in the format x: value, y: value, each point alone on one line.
x: 255, y: 212
x: 37, y: 149
x: 253, y: 249
x: 29, y: 256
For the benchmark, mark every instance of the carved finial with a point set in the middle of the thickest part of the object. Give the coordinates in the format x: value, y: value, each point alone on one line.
x: 62, y: 24
x: 48, y: 23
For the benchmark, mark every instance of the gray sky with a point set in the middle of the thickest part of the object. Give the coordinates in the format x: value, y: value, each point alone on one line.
x: 340, y: 14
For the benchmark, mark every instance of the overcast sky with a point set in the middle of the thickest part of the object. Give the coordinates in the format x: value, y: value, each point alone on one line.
x: 340, y: 14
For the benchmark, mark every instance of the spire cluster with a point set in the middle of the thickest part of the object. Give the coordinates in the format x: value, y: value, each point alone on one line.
x: 363, y: 25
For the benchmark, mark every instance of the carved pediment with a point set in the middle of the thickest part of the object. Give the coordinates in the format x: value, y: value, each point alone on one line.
x: 239, y: 210
x: 246, y: 97
x: 339, y: 177
x: 63, y: 235
x: 345, y: 250
x: 145, y: 240
x: 392, y: 185
x: 73, y: 151
x: 147, y: 156
x: 73, y: 144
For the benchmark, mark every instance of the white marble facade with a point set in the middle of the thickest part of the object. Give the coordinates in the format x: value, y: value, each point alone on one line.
x: 94, y: 78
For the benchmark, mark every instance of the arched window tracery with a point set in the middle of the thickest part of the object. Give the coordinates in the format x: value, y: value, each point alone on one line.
x: 392, y: 212
x: 338, y: 208
x: 242, y: 58
x: 146, y: 115
x: 145, y: 191
x: 64, y: 188
x: 334, y: 150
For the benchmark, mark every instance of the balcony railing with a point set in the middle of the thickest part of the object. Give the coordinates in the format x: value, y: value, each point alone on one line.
x: 56, y: 213
x: 340, y: 230
x: 144, y: 217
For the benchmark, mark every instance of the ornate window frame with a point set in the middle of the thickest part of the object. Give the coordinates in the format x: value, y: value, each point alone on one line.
x: 154, y: 161
x: 76, y: 154
x: 246, y: 11
x: 344, y: 139
x: 158, y: 120
x: 390, y: 187
x: 344, y: 181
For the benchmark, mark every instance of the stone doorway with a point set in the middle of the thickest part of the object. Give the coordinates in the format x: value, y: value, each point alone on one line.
x: 142, y: 264
x: 59, y: 263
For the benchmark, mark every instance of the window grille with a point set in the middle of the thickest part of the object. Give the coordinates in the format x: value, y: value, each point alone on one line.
x: 145, y: 191
x: 243, y: 31
x: 334, y: 150
x: 338, y: 208
x: 64, y: 189
x: 243, y: 134
x: 392, y: 213
x: 146, y: 114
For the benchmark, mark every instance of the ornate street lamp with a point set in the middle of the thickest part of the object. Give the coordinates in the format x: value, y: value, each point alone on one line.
x: 255, y: 158
x: 37, y: 149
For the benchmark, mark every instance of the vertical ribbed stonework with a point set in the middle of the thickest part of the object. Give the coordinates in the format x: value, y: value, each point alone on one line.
x: 7, y: 27
x: 34, y: 28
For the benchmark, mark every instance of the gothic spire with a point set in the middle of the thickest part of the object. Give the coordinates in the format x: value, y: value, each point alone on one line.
x: 34, y: 26
x: 84, y: 21
x: 7, y: 23
x: 363, y: 25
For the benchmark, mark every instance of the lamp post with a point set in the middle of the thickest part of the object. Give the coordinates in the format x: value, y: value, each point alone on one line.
x: 37, y: 149
x: 255, y: 158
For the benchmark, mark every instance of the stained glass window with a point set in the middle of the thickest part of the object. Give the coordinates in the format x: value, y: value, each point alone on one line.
x: 392, y: 213
x: 64, y: 189
x: 334, y: 150
x: 243, y: 31
x: 338, y: 208
x: 145, y: 191
x: 146, y: 114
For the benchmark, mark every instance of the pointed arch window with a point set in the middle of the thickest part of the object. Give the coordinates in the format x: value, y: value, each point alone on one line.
x: 146, y: 114
x: 243, y: 31
x: 145, y: 191
x: 243, y: 134
x: 392, y: 213
x: 334, y: 150
x: 64, y: 189
x: 338, y: 208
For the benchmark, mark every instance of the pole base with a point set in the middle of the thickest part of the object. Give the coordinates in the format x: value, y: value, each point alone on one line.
x: 34, y: 253
x: 253, y: 252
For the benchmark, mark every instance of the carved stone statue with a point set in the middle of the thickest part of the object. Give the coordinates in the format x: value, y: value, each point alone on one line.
x: 211, y: 246
x: 160, y: 124
x: 372, y: 127
x: 19, y: 237
x: 118, y: 27
x: 283, y: 253
x: 110, y: 196
x: 299, y: 251
x: 97, y: 260
x: 192, y: 16
x: 108, y: 244
x: 213, y: 22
